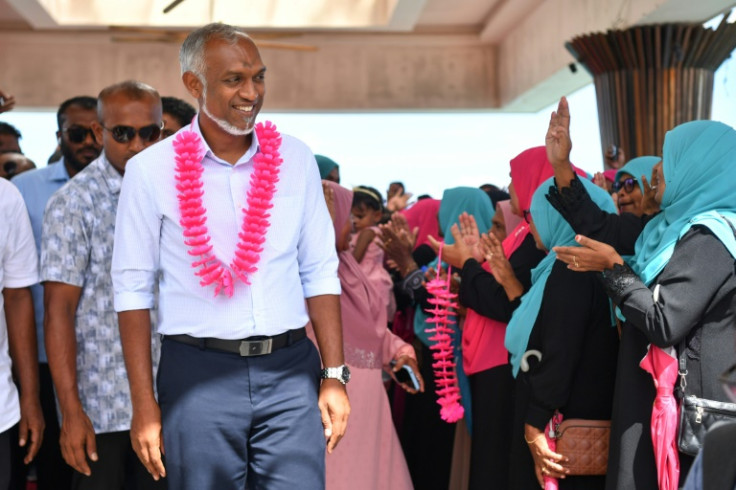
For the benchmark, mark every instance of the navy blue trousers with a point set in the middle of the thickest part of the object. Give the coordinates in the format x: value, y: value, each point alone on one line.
x: 232, y: 421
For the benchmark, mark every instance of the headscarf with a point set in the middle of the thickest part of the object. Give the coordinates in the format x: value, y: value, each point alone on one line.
x: 528, y: 170
x: 464, y: 199
x: 554, y: 231
x: 510, y: 220
x: 636, y: 167
x: 362, y: 306
x: 325, y: 165
x: 423, y: 215
x: 699, y: 165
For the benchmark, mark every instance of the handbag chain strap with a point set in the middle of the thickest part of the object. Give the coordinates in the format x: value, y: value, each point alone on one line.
x: 682, y: 347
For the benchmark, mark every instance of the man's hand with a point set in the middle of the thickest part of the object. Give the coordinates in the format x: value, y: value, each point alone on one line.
x: 592, y: 255
x: 77, y: 440
x: 146, y: 435
x: 31, y: 426
x: 335, y: 409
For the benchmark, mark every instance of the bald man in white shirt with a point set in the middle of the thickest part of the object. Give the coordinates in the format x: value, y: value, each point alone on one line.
x: 229, y: 220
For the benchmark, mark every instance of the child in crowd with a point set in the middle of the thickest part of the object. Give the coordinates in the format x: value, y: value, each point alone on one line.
x: 365, y: 214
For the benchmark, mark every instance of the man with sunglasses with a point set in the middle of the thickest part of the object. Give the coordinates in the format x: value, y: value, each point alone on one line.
x: 241, y: 401
x: 75, y: 118
x: 82, y: 336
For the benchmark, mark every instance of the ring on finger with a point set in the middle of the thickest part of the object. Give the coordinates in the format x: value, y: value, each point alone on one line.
x: 575, y: 261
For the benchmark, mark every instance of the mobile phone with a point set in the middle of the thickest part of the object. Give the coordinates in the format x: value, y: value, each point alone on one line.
x: 406, y: 375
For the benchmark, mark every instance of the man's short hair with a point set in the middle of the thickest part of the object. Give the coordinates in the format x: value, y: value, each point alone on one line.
x: 84, y: 101
x: 132, y: 89
x: 7, y: 128
x: 191, y: 54
x: 182, y: 111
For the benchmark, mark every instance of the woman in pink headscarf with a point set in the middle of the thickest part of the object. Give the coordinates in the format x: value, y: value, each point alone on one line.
x: 370, y: 455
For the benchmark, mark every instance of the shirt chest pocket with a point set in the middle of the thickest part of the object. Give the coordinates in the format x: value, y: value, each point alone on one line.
x: 285, y: 224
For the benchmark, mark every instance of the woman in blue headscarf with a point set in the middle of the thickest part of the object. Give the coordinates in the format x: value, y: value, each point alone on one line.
x: 428, y: 439
x: 565, y: 317
x: 630, y: 184
x: 678, y: 289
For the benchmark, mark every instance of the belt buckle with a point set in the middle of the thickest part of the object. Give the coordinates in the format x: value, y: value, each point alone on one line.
x: 255, y: 347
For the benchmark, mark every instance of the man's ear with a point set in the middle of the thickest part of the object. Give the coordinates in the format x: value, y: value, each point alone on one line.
x: 193, y: 84
x: 97, y: 131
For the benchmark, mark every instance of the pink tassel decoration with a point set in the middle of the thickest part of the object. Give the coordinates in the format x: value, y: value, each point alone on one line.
x: 442, y: 313
x: 211, y: 270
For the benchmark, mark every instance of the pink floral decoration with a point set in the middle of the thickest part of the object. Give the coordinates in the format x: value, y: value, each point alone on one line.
x: 189, y: 152
x: 445, y: 374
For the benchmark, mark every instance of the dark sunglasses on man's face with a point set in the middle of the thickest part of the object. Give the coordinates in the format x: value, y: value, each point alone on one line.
x: 626, y: 184
x: 77, y: 134
x: 125, y: 134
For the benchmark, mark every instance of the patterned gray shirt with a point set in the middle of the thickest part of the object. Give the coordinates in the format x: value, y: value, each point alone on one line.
x: 76, y: 249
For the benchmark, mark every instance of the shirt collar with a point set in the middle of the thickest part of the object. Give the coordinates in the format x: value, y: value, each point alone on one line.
x: 247, y: 156
x: 58, y: 172
x: 112, y: 177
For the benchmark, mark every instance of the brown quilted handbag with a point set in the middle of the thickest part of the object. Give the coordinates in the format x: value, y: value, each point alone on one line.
x: 585, y: 442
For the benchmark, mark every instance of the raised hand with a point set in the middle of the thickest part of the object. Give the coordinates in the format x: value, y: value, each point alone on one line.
x: 600, y: 180
x: 455, y: 254
x: 558, y: 140
x: 398, y: 246
x: 398, y: 202
x: 649, y: 204
x: 591, y: 255
x: 470, y: 235
x: 500, y: 267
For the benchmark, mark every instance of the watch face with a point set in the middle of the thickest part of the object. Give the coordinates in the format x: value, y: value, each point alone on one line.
x: 345, y: 377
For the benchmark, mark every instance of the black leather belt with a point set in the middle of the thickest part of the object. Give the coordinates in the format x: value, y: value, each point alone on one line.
x: 252, y: 346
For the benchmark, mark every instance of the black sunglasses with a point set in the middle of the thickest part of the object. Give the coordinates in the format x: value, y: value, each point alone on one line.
x: 626, y: 184
x: 527, y: 216
x: 125, y: 134
x: 77, y: 134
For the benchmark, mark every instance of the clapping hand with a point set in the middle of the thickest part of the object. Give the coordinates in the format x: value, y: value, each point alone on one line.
x: 500, y: 266
x: 591, y: 255
x: 649, y: 204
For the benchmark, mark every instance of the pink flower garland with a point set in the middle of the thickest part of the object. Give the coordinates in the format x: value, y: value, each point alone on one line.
x: 189, y: 153
x: 444, y: 366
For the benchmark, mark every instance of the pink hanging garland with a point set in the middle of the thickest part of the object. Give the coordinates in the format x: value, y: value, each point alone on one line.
x: 211, y: 270
x: 444, y: 366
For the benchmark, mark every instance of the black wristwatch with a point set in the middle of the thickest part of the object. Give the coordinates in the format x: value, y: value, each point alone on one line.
x: 340, y: 373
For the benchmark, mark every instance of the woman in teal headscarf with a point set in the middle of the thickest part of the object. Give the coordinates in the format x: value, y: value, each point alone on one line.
x: 565, y: 318
x: 328, y: 168
x: 680, y: 288
x: 629, y: 184
x: 431, y: 438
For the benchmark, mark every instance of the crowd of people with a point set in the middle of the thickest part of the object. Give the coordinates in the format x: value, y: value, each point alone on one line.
x: 192, y: 300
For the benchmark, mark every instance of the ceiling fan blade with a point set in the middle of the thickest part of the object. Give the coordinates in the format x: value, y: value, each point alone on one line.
x: 172, y: 6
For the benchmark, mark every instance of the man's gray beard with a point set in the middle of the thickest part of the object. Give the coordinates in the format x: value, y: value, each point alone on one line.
x: 224, y: 125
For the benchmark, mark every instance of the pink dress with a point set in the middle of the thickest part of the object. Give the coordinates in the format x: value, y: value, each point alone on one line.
x: 372, y: 265
x: 369, y: 456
